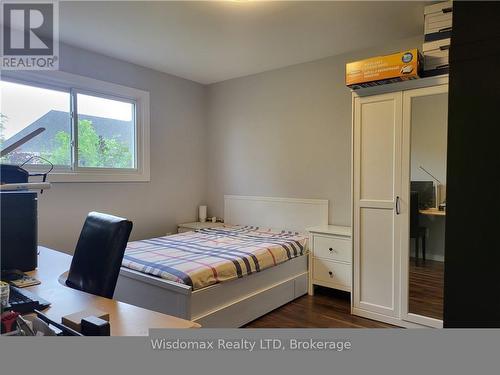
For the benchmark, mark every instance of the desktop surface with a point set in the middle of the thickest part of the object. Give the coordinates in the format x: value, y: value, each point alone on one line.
x: 125, y: 319
x: 432, y: 212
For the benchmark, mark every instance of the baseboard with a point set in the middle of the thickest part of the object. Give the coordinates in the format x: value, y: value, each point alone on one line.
x: 435, y: 257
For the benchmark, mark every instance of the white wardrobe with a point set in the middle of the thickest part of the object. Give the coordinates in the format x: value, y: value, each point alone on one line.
x: 380, y: 198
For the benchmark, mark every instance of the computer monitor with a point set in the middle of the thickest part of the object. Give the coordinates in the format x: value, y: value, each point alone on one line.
x: 426, y: 193
x: 19, y: 228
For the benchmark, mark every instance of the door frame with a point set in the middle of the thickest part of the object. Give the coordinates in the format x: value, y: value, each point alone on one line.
x: 408, y: 95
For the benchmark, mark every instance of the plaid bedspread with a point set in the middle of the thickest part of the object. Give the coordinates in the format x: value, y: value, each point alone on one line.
x: 210, y: 256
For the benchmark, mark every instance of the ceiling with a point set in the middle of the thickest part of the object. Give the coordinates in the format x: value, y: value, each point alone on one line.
x: 214, y: 41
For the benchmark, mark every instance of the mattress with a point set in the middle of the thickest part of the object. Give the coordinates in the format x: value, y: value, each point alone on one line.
x: 209, y: 256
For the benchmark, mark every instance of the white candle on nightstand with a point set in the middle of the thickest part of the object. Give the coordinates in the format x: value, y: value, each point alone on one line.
x: 203, y: 213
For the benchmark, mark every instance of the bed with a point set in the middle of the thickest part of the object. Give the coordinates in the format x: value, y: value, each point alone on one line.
x: 226, y: 276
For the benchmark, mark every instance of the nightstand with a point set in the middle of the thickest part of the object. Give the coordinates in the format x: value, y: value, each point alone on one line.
x: 330, y: 257
x: 189, y: 227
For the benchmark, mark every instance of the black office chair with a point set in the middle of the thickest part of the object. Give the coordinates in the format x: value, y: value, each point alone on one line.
x: 416, y: 231
x: 98, y: 254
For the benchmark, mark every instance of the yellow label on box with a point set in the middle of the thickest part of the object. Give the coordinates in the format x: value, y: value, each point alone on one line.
x: 390, y: 68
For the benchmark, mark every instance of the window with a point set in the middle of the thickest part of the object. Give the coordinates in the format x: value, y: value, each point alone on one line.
x: 27, y: 108
x: 94, y: 131
x: 106, y: 132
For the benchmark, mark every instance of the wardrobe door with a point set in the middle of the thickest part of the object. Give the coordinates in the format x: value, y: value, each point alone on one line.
x: 377, y: 136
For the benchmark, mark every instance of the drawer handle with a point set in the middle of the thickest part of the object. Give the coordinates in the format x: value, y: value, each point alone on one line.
x: 331, y: 273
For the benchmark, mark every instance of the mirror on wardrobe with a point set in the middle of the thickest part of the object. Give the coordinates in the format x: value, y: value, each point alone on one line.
x: 429, y: 122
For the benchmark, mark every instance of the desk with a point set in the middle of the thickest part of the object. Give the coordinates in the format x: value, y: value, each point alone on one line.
x: 125, y: 319
x: 432, y: 212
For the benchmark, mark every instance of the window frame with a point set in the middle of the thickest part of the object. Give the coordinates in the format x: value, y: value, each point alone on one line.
x: 74, y: 124
x: 73, y: 85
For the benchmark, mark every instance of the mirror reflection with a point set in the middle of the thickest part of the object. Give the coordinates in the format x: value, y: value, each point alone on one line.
x: 427, y: 204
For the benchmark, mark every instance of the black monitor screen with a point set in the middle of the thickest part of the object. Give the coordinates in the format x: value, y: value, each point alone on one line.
x: 426, y: 193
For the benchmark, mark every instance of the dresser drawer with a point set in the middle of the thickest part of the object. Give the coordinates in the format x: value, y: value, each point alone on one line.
x: 332, y: 248
x: 331, y: 272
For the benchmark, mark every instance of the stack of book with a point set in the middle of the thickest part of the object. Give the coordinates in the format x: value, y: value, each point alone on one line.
x: 437, y: 29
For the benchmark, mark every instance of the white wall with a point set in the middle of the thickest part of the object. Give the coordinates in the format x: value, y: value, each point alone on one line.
x: 177, y: 159
x: 286, y: 132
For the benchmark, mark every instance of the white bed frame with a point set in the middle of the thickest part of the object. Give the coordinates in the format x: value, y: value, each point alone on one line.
x: 237, y: 302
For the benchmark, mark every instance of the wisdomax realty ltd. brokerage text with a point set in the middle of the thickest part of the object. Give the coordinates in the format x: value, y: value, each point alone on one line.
x: 249, y: 344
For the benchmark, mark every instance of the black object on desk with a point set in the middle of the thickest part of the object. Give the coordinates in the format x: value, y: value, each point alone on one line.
x: 12, y: 275
x: 19, y: 230
x: 23, y: 301
x: 426, y: 193
x: 94, y: 326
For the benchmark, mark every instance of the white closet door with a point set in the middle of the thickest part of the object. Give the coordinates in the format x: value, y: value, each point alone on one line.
x: 376, y: 193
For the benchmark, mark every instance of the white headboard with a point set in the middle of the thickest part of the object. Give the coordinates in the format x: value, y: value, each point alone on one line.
x: 280, y: 213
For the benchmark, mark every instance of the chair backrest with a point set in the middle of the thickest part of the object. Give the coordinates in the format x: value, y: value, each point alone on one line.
x: 99, y: 253
x: 414, y: 214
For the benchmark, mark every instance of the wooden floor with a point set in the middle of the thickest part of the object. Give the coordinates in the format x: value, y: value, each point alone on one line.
x: 330, y: 308
x: 426, y: 288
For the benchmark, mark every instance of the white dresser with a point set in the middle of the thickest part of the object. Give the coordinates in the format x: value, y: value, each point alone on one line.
x: 330, y: 257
